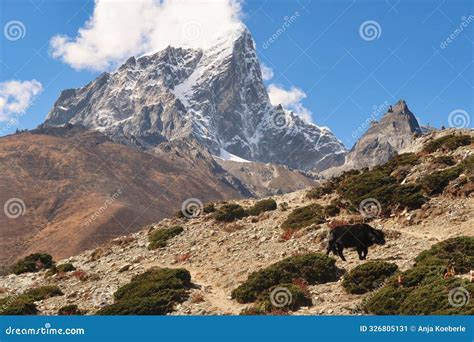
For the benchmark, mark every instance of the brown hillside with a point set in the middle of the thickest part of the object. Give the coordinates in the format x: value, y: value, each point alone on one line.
x: 65, y: 178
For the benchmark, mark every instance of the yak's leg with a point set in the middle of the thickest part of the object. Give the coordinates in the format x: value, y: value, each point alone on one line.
x: 360, y: 252
x: 339, y: 252
x: 366, y: 251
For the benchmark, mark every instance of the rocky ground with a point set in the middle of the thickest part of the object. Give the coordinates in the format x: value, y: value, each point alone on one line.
x: 221, y: 256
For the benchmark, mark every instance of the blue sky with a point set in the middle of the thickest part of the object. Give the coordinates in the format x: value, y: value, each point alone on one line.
x: 340, y: 72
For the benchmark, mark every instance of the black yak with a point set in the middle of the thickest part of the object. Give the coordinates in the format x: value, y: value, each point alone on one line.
x: 361, y: 236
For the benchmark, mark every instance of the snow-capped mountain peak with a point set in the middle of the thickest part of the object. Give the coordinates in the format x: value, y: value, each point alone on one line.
x: 215, y: 94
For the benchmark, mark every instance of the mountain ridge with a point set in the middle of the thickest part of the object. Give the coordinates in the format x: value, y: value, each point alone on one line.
x: 216, y: 95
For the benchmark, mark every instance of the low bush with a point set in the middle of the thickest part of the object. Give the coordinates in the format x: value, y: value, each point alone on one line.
x: 33, y: 263
x: 437, y: 298
x: 63, y: 268
x: 435, y: 183
x: 312, y: 268
x: 378, y: 184
x: 304, y: 216
x: 138, y: 306
x: 24, y: 304
x: 209, y: 208
x: 444, y: 160
x: 321, y: 190
x: 70, y: 310
x: 386, y: 301
x: 426, y: 289
x: 43, y: 292
x: 455, y: 252
x: 154, y: 292
x: 282, y: 297
x: 447, y: 143
x: 17, y: 306
x: 331, y: 210
x: 229, y: 213
x: 368, y: 276
x: 67, y: 267
x: 262, y: 206
x: 160, y: 237
x: 399, y: 161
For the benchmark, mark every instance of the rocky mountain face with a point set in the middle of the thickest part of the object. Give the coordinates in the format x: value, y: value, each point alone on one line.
x: 214, y: 95
x: 384, y: 139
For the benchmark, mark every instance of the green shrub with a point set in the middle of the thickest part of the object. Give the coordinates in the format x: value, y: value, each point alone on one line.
x: 386, y: 301
x: 262, y: 206
x: 160, y: 237
x: 209, y: 208
x: 138, y: 306
x: 378, y: 184
x: 70, y: 310
x: 321, y: 190
x: 17, y: 306
x: 304, y: 216
x: 404, y: 159
x: 332, y: 210
x: 312, y: 268
x: 63, y: 268
x: 423, y: 290
x: 434, y: 183
x: 444, y: 160
x: 467, y: 164
x: 33, y: 263
x: 159, y: 274
x: 455, y: 252
x: 417, y: 275
x: 447, y: 143
x: 282, y: 297
x: 139, y: 289
x: 153, y: 292
x: 433, y: 298
x: 67, y: 267
x: 229, y: 213
x: 43, y: 292
x: 368, y: 276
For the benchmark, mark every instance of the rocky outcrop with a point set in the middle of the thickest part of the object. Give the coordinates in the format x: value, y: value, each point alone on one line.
x: 384, y: 139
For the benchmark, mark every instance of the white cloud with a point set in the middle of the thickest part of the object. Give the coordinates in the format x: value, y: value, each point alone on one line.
x: 118, y: 30
x: 16, y: 97
x: 267, y: 72
x: 290, y: 100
